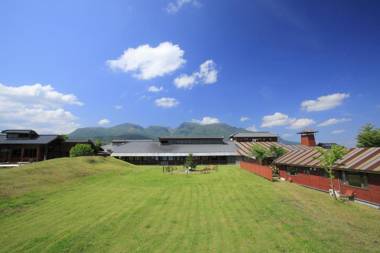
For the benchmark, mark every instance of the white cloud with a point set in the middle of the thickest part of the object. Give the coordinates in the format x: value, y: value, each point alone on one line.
x: 166, y: 102
x: 148, y: 62
x: 155, y: 89
x: 244, y: 118
x: 338, y: 131
x: 104, y: 122
x: 185, y: 81
x: 301, y: 123
x: 118, y: 107
x: 207, y: 120
x: 276, y: 119
x: 324, y: 102
x: 252, y: 128
x: 39, y: 107
x: 207, y: 74
x: 280, y: 119
x: 175, y: 6
x: 333, y: 121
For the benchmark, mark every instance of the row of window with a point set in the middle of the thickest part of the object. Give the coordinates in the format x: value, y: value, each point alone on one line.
x: 349, y: 178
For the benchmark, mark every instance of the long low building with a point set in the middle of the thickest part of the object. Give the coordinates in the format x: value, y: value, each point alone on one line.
x: 29, y: 146
x: 174, y: 150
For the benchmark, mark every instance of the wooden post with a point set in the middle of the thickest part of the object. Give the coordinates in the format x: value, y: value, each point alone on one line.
x: 46, y: 151
x: 38, y: 154
x: 22, y: 155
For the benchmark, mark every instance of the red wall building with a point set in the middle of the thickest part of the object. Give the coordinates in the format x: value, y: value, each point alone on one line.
x: 357, y: 173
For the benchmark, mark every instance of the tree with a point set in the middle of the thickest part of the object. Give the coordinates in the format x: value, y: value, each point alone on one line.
x: 276, y: 151
x: 369, y: 136
x: 260, y: 153
x: 189, y: 162
x: 328, y: 158
x: 98, y: 145
x: 81, y: 150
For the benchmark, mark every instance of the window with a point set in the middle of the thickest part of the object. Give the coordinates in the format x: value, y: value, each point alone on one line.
x: 355, y: 179
x: 292, y: 171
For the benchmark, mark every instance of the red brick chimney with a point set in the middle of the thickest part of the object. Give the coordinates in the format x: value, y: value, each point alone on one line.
x: 307, y: 137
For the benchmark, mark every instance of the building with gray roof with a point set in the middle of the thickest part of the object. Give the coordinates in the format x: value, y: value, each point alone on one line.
x: 174, y: 150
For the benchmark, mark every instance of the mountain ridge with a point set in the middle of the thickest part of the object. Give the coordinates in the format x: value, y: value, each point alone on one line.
x: 134, y: 131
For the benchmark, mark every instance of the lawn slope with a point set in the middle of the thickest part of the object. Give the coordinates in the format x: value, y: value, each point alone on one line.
x: 140, y: 209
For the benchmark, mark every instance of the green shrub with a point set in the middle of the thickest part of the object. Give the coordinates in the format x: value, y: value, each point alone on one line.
x: 81, y: 150
x: 189, y: 162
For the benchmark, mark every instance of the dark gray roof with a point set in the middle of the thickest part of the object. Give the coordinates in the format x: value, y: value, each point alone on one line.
x: 40, y: 139
x: 191, y: 137
x: 78, y: 141
x: 254, y: 134
x: 19, y: 131
x: 155, y: 148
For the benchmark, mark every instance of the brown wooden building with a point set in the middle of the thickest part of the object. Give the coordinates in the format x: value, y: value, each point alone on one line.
x: 29, y: 146
x: 254, y: 137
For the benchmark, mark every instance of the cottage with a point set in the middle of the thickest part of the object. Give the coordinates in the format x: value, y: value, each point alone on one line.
x: 29, y: 146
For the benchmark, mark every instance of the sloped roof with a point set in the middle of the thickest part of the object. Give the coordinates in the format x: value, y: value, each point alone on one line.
x: 254, y: 134
x: 357, y: 159
x: 40, y: 139
x: 155, y: 148
x: 244, y: 148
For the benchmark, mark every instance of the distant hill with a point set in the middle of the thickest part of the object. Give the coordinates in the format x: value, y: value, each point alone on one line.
x: 133, y: 131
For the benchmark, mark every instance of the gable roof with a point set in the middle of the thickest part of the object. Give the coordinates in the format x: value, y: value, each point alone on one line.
x: 40, y: 139
x: 244, y: 148
x: 155, y: 148
x: 253, y: 134
x: 357, y: 159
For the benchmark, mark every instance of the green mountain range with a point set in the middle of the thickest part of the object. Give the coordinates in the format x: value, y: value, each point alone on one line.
x: 133, y: 131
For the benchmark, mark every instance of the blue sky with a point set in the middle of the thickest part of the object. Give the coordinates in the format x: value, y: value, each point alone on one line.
x: 268, y: 65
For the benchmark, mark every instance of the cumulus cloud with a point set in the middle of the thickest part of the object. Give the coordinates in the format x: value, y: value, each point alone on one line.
x: 338, y: 131
x: 324, y: 103
x: 146, y: 62
x: 333, y: 121
x: 155, y: 89
x: 207, y: 120
x: 175, y: 6
x: 301, y: 123
x: 37, y: 106
x: 244, y: 118
x: 118, y: 107
x: 207, y: 74
x: 252, y: 128
x: 104, y: 122
x: 166, y: 102
x: 276, y: 119
x: 280, y: 119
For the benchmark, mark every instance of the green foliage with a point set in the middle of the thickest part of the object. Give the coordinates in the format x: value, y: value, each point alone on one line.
x: 189, y: 162
x: 369, y: 136
x: 260, y: 153
x: 81, y: 150
x: 98, y: 145
x: 328, y: 159
x: 276, y: 151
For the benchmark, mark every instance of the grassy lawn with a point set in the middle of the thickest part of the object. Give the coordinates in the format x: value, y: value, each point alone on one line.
x: 106, y: 205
